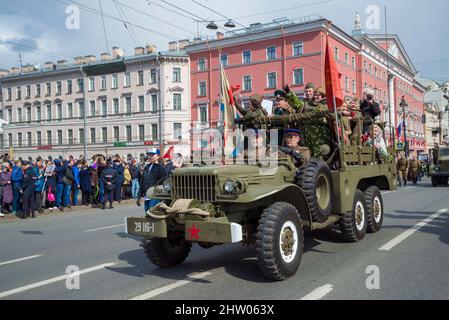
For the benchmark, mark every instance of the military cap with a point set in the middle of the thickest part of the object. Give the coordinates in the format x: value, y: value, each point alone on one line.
x: 292, y: 132
x: 321, y: 91
x: 109, y: 161
x: 280, y: 94
x: 310, y: 86
x: 257, y: 97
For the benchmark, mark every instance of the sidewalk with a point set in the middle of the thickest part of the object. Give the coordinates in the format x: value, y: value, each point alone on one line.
x: 10, y: 217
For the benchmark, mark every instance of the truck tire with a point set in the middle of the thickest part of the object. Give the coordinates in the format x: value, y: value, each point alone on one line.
x: 354, y: 224
x: 279, y: 241
x: 165, y: 252
x: 435, y: 181
x: 315, y: 180
x: 375, y: 209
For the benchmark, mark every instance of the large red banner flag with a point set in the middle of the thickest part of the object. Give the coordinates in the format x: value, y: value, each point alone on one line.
x: 332, y: 78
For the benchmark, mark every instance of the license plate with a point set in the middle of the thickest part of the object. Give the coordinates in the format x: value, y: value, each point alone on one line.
x: 140, y: 226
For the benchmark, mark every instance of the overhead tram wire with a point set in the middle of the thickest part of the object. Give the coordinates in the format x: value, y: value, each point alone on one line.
x: 92, y: 10
x: 216, y: 12
x: 104, y: 27
x: 132, y: 36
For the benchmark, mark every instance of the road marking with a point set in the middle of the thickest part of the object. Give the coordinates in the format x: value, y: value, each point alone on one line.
x: 177, y: 284
x: 407, y: 233
x: 408, y: 188
x: 109, y: 227
x: 385, y: 192
x: 21, y: 259
x: 319, y: 292
x: 53, y: 280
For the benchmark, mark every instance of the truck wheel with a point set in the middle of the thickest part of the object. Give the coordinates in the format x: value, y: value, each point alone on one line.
x: 374, y: 208
x: 279, y: 241
x: 354, y: 224
x: 166, y: 252
x: 316, y: 181
x: 435, y: 181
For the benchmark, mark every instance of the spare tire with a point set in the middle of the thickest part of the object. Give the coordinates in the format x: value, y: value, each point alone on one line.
x: 315, y: 180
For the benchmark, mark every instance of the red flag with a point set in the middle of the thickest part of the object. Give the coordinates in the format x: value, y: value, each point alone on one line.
x: 170, y: 153
x: 332, y: 77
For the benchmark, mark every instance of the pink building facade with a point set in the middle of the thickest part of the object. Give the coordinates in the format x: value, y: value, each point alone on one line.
x: 263, y: 58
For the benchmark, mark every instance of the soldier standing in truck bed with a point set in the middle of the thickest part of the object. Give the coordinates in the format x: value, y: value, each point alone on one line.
x: 255, y: 111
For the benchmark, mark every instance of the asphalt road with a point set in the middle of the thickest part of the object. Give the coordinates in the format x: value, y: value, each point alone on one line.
x: 410, y: 254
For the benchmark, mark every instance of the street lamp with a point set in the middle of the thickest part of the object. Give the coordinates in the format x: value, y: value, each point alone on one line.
x: 404, y: 104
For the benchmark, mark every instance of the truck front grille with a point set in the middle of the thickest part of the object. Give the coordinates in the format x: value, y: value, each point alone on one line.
x: 198, y: 187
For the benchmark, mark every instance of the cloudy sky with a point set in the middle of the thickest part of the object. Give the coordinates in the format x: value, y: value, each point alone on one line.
x: 38, y: 29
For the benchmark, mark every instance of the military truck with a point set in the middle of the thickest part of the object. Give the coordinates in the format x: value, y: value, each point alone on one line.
x: 218, y: 204
x: 439, y: 172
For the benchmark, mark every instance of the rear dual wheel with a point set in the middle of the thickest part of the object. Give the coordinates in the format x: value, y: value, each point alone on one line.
x: 354, y: 224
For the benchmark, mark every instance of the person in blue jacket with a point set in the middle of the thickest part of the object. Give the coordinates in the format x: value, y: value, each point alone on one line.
x: 76, y: 183
x: 119, y: 180
x: 60, y: 172
x: 16, y: 179
x: 85, y: 184
x: 39, y: 171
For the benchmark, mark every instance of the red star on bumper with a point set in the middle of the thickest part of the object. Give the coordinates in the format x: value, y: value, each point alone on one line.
x: 194, y: 232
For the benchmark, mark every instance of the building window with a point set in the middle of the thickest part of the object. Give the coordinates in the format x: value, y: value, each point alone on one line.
x: 38, y: 90
x: 116, y: 134
x: 103, y: 83
x: 81, y: 136
x: 346, y: 84
x: 81, y: 109
x: 80, y: 85
x: 93, y: 135
x: 203, y: 114
x: 337, y: 53
x: 154, y: 102
x: 176, y: 74
x: 246, y: 56
x: 177, y: 131
x: 10, y: 115
x: 104, y: 134
x: 70, y: 110
x: 370, y: 68
x: 298, y: 48
x: 19, y: 139
x: 140, y: 78
x: 92, y: 108
x: 49, y: 138
x: 176, y: 101
x: 271, y: 80
x: 19, y: 114
x: 104, y: 108
x: 153, y: 76
x: 353, y: 62
x: 39, y: 138
x: 346, y: 58
x: 19, y: 93
x: 298, y: 76
x: 69, y: 86
x: 28, y: 91
x: 365, y: 65
x: 201, y: 64
x: 141, y: 132
x: 10, y: 139
x: 115, y: 102
x: 48, y: 112
x: 58, y: 87
x: 127, y: 79
x: 70, y: 136
x: 224, y: 59
x: 128, y: 105
x: 59, y: 137
x: 48, y: 92
x: 247, y: 83
x: 91, y: 84
x: 154, y: 132
x: 202, y: 88
x: 114, y: 81
x: 354, y: 87
x: 141, y: 103
x: 271, y: 53
x: 29, y: 143
x: 59, y: 110
x: 129, y: 137
x: 8, y: 94
x: 28, y: 114
x: 38, y: 113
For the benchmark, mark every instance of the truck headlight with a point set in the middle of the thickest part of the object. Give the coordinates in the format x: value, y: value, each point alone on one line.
x: 167, y: 186
x: 436, y: 168
x: 229, y: 186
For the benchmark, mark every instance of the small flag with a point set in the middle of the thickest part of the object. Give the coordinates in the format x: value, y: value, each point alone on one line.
x: 170, y: 153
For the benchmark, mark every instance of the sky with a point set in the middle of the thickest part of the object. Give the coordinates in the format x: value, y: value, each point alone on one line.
x: 44, y: 30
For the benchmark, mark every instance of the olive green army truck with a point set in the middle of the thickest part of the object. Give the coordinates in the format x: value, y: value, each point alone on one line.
x: 219, y: 204
x: 439, y: 173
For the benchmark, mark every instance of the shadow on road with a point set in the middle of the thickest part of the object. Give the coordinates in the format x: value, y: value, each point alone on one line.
x: 32, y: 232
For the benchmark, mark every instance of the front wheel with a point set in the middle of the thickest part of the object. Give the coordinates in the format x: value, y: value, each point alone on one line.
x: 354, y: 224
x: 167, y: 252
x: 279, y: 241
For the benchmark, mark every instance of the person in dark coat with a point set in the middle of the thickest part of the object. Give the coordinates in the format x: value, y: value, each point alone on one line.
x: 28, y: 189
x: 120, y: 170
x: 60, y: 172
x: 85, y: 184
x: 6, y: 183
x: 109, y: 178
x: 50, y: 187
x: 16, y: 178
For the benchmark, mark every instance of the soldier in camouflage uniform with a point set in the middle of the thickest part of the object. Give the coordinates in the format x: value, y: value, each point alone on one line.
x: 317, y: 134
x: 402, y: 166
x: 255, y: 111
